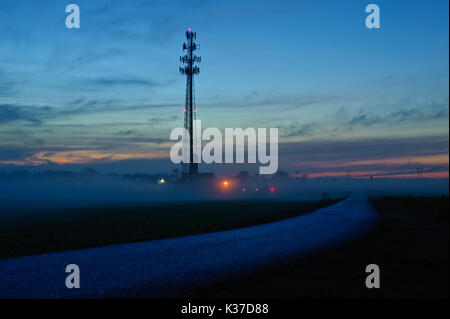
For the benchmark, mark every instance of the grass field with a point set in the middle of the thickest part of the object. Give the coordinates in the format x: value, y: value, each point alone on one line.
x: 410, y: 245
x: 40, y: 232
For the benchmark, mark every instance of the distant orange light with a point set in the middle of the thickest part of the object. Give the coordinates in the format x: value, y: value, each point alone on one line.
x: 225, y: 185
x: 189, y: 29
x: 272, y: 189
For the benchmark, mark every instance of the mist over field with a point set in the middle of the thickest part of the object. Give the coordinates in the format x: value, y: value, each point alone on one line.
x: 28, y: 195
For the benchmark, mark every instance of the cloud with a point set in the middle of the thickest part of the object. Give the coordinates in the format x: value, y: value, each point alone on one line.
x: 410, y: 116
x: 362, y: 149
x: 8, y: 114
x: 35, y: 142
x: 107, y: 105
x: 125, y: 81
x: 76, y: 102
x: 125, y: 133
x: 304, y: 130
x: 8, y: 86
x: 62, y: 63
x: 163, y: 120
x: 31, y: 114
x: 36, y: 115
x: 288, y: 103
x: 343, y: 120
x: 364, y: 120
x: 10, y: 153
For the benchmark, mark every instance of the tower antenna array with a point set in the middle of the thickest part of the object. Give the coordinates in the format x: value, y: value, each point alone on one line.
x: 190, y: 69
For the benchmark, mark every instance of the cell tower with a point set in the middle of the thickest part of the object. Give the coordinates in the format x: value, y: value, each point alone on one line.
x: 190, y: 69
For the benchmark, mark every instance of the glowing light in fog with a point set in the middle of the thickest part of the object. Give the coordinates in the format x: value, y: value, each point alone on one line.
x: 225, y: 185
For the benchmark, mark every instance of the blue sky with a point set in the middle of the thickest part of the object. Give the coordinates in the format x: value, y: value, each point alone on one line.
x: 110, y: 91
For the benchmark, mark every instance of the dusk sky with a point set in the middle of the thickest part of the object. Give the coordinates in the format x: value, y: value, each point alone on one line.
x: 344, y: 97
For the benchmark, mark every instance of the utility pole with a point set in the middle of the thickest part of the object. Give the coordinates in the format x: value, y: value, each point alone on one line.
x: 419, y: 173
x: 190, y: 69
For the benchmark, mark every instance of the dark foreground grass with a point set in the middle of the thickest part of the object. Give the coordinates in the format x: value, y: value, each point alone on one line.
x: 410, y: 245
x: 41, y: 232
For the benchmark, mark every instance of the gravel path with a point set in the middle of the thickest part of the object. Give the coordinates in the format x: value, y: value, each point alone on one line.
x: 173, y: 267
